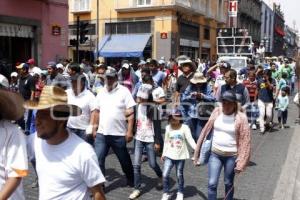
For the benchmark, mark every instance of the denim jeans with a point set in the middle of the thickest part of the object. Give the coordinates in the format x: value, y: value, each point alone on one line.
x: 215, y: 165
x: 118, y: 144
x: 138, y: 151
x: 196, y: 125
x: 282, y: 116
x: 81, y: 133
x: 168, y: 165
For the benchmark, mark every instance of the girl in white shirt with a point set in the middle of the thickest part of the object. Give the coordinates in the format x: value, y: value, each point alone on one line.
x: 175, y: 152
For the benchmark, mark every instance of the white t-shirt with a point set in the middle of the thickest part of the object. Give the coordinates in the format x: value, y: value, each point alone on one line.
x: 158, y: 93
x: 112, y: 106
x: 144, y: 126
x: 219, y: 81
x: 224, y: 138
x: 13, y: 159
x: 66, y: 170
x: 86, y: 101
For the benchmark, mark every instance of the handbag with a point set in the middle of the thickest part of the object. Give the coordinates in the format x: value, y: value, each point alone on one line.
x: 205, y: 150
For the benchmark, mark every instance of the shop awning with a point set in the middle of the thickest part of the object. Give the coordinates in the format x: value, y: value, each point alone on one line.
x: 279, y: 31
x: 123, y: 45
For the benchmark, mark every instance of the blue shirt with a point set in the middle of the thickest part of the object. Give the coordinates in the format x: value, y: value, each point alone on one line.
x: 159, y: 77
x: 265, y: 94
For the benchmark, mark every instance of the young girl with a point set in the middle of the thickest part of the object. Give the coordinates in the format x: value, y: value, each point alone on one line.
x: 282, y: 107
x: 146, y: 138
x: 175, y: 153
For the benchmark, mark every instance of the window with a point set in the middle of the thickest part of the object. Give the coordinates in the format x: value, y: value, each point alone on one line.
x: 190, y: 32
x: 128, y: 27
x: 206, y: 34
x: 143, y: 2
x: 81, y: 5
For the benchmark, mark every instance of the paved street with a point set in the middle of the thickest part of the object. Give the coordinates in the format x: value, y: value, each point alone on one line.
x: 258, y: 182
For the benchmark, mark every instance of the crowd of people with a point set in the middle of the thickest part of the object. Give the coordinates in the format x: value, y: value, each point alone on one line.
x: 65, y: 119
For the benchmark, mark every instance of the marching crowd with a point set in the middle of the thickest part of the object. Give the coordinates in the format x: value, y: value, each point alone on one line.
x: 65, y: 119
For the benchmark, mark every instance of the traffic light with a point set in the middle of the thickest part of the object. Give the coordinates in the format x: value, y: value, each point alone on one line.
x: 83, y: 30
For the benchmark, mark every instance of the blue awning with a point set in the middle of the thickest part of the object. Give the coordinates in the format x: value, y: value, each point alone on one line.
x: 123, y: 45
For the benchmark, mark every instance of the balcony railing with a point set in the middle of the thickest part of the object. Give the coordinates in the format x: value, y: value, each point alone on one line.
x: 137, y: 5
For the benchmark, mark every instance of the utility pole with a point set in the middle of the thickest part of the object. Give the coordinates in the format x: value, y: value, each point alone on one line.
x: 97, y: 32
x: 77, y: 40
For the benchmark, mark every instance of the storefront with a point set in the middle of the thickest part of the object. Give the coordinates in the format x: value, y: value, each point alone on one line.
x: 189, y: 40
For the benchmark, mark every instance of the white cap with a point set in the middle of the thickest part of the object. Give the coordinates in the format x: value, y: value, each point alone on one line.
x: 161, y: 62
x: 14, y: 74
x: 126, y: 66
x: 36, y: 71
x: 4, y: 81
x: 59, y: 66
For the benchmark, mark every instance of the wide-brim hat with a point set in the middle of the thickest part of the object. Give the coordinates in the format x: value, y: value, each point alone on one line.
x: 54, y: 98
x: 198, y: 78
x: 187, y: 62
x: 11, y: 105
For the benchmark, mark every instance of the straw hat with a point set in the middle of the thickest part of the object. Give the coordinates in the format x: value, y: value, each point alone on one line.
x: 198, y: 78
x: 11, y: 105
x: 55, y: 98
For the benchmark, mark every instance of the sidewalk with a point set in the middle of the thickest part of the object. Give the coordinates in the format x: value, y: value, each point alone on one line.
x: 288, y: 185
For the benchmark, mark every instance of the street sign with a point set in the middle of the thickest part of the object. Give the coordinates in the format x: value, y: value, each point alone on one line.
x: 164, y: 35
x: 233, y: 8
x: 56, y: 30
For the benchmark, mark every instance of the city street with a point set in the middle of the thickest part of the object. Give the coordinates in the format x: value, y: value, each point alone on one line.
x: 259, y: 181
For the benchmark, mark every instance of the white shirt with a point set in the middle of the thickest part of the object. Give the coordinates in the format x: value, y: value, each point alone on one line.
x: 219, y: 81
x: 112, y: 106
x: 66, y: 170
x: 144, y: 126
x: 224, y: 138
x: 158, y: 93
x: 86, y: 101
x: 13, y: 156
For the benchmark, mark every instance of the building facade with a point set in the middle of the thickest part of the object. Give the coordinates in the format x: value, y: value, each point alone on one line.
x: 33, y: 29
x: 278, y: 41
x: 249, y: 17
x: 267, y: 28
x: 166, y: 28
x: 290, y: 42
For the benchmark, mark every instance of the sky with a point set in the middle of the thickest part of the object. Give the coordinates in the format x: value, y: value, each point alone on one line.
x: 291, y: 10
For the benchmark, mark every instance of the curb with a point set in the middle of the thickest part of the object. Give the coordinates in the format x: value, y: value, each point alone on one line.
x: 288, y: 184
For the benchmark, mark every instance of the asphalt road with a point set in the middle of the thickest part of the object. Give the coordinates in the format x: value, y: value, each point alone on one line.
x: 258, y: 182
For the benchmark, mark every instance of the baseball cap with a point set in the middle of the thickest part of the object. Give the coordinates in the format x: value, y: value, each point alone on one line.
x: 229, y: 95
x: 126, y: 66
x: 31, y: 61
x: 142, y: 62
x: 51, y: 64
x: 225, y: 65
x: 37, y: 71
x: 22, y: 66
x: 111, y: 72
x: 59, y: 66
x: 4, y: 81
x: 14, y: 74
x: 161, y: 62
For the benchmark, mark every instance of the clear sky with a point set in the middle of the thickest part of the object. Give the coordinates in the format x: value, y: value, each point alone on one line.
x: 291, y: 10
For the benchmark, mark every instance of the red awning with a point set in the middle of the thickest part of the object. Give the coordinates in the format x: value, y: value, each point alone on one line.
x: 279, y: 31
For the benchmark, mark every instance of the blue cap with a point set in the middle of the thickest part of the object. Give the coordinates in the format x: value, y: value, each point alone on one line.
x: 229, y: 95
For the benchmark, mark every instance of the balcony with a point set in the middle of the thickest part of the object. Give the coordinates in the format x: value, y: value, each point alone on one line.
x: 191, y: 6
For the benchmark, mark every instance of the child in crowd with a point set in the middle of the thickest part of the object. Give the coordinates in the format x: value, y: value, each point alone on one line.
x: 252, y: 109
x: 146, y: 138
x: 282, y: 107
x: 175, y: 152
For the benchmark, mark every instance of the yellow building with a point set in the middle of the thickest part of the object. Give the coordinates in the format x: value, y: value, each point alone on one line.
x: 149, y: 28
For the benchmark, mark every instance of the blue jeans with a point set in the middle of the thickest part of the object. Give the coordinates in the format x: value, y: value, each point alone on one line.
x: 196, y: 125
x: 168, y: 165
x: 215, y: 164
x: 118, y: 144
x: 282, y: 116
x: 81, y: 133
x: 138, y: 151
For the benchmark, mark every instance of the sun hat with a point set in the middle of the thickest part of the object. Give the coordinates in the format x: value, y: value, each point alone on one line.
x: 229, y: 95
x: 198, y: 78
x: 31, y: 61
x: 144, y: 91
x: 55, y: 98
x: 187, y: 62
x: 11, y: 105
x: 23, y: 66
x: 111, y: 72
x: 14, y: 74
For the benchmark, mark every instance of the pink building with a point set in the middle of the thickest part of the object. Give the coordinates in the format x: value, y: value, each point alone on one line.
x: 33, y: 28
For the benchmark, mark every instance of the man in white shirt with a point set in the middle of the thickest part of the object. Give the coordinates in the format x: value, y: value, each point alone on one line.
x: 115, y: 123
x: 67, y: 167
x: 83, y: 98
x: 13, y: 154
